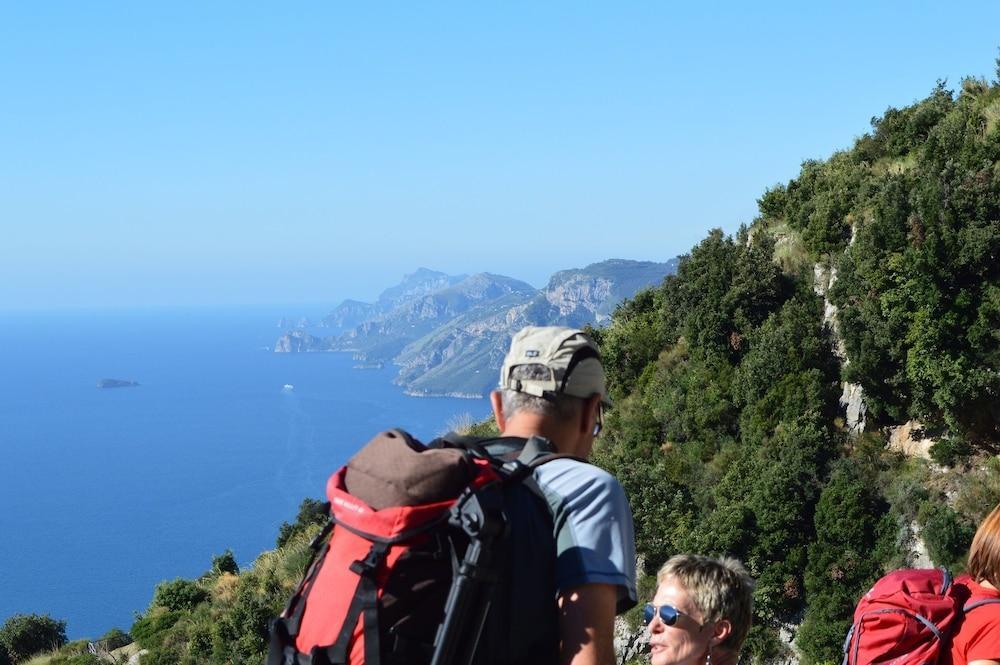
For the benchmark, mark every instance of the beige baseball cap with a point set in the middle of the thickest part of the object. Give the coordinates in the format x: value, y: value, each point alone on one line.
x: 572, y: 358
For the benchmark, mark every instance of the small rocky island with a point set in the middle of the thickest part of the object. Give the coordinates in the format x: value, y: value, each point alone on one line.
x: 116, y: 383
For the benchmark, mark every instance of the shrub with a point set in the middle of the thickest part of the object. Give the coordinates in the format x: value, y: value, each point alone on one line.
x: 240, y: 635
x: 24, y: 635
x: 950, y: 451
x: 179, y: 594
x: 115, y: 639
x: 945, y: 533
x: 149, y: 630
x: 981, y: 491
x: 84, y: 658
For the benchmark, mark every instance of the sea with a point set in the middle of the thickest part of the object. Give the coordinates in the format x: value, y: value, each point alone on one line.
x: 106, y: 492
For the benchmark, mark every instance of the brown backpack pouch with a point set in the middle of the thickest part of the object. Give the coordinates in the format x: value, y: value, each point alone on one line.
x: 394, y: 469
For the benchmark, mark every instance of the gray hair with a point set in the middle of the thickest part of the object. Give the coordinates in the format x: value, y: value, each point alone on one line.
x: 720, y: 588
x: 559, y: 406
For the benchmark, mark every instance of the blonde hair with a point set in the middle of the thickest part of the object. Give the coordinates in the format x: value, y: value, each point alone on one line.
x: 984, y: 555
x: 719, y: 587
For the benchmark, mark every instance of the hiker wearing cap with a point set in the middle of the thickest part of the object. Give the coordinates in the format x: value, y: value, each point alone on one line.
x: 551, y: 396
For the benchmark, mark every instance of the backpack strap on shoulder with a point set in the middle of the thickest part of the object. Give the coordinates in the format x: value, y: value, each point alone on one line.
x: 535, y: 447
x: 364, y: 604
x: 980, y: 603
x: 538, y: 451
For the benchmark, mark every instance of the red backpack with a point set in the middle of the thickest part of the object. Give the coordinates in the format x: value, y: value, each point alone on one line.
x: 907, y: 618
x: 405, y: 570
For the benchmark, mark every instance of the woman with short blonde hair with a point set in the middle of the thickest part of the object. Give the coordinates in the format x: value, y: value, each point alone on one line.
x: 701, y: 612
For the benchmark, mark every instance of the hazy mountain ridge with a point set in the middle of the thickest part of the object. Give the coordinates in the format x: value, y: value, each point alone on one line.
x: 448, y: 334
x: 348, y: 314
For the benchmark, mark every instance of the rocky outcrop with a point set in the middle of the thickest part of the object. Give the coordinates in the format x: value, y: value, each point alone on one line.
x: 580, y: 292
x: 911, y: 440
x: 852, y: 399
x: 824, y: 277
x: 630, y: 644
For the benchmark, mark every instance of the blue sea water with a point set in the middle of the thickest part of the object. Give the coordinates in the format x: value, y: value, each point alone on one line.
x: 105, y: 493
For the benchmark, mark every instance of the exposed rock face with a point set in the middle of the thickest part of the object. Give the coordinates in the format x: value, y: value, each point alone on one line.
x: 918, y: 556
x: 580, y: 292
x: 630, y: 644
x: 852, y: 400
x: 791, y: 655
x: 911, y: 440
x: 823, y: 280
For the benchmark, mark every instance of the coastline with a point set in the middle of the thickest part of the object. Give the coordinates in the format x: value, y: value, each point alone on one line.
x: 455, y: 394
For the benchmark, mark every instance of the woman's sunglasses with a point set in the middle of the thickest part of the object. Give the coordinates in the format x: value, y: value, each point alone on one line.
x: 668, y: 614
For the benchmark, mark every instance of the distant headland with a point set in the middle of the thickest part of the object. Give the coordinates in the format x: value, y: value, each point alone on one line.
x: 448, y: 333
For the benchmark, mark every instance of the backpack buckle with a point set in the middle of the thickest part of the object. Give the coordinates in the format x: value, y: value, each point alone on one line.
x: 370, y: 563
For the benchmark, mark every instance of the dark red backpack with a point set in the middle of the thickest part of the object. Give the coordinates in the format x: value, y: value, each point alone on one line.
x: 907, y: 618
x: 406, y: 568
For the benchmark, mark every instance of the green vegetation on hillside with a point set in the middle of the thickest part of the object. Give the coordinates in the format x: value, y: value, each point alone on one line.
x: 918, y: 287
x: 222, y: 617
x: 728, y: 434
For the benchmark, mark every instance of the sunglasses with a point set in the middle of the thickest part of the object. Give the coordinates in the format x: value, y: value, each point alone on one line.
x: 668, y: 614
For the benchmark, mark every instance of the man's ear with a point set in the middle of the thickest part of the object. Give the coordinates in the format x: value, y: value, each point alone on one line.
x: 588, y: 415
x: 722, y: 630
x: 497, y: 403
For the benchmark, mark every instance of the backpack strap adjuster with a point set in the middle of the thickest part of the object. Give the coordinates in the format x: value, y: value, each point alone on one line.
x: 370, y: 563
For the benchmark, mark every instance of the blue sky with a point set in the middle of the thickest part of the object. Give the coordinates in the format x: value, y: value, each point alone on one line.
x: 226, y: 153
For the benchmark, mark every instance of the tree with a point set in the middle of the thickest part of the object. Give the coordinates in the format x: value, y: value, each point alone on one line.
x: 843, y: 559
x: 24, y: 635
x: 635, y: 338
x: 225, y: 563
x: 312, y: 512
